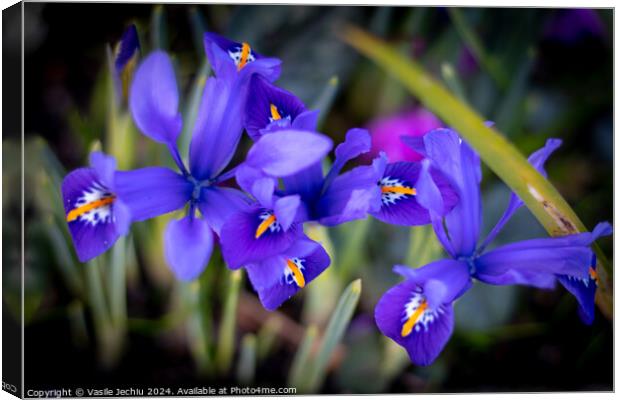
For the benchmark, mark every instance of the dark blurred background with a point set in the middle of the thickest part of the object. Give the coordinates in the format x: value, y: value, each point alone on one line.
x: 557, y: 69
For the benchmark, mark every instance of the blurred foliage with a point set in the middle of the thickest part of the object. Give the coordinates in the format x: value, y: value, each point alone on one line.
x: 126, y: 309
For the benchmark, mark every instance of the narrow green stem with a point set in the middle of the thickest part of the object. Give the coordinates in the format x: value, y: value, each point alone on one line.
x: 333, y: 335
x: 301, y: 363
x: 117, y: 284
x: 107, y: 339
x: 423, y: 246
x: 246, y: 368
x: 226, y: 337
x: 352, y: 251
x: 159, y: 35
x: 326, y: 99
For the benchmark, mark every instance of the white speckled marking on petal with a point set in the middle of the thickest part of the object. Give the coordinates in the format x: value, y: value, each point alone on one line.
x: 97, y: 215
x: 428, y: 316
x: 389, y: 198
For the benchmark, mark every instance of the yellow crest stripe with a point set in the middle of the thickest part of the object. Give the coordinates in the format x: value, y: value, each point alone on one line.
x: 245, y: 53
x: 275, y: 115
x: 398, y: 189
x: 297, y: 275
x: 76, y: 212
x: 413, y: 319
x: 593, y: 275
x: 264, y: 226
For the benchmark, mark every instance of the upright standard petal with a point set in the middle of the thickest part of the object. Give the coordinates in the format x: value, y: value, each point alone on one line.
x: 188, y: 243
x: 254, y: 235
x: 285, y: 210
x: 154, y: 99
x: 306, y: 121
x: 104, y: 167
x: 463, y: 222
x: 287, y: 152
x: 258, y: 184
x: 263, y: 191
x: 95, y: 215
x: 537, y: 160
x: 152, y: 191
x: 357, y: 141
x: 452, y: 275
x: 400, y: 187
x: 460, y: 165
x: 268, y: 105
x: 217, y: 129
x: 278, y: 278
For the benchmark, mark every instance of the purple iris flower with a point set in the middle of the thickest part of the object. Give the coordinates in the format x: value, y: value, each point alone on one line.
x: 99, y: 201
x: 126, y: 55
x: 266, y: 238
x: 417, y: 313
x: 127, y: 50
x: 271, y: 109
x: 233, y: 61
x: 268, y: 226
x: 279, y: 277
x: 386, y: 191
x: 96, y: 216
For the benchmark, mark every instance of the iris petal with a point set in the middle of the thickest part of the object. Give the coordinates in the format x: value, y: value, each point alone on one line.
x: 285, y: 210
x: 357, y: 141
x: 537, y: 159
x: 91, y: 210
x: 408, y: 191
x: 584, y: 290
x: 307, y: 183
x: 262, y: 190
x: 287, y: 152
x: 276, y: 283
x: 240, y: 245
x: 264, y: 98
x: 423, y: 334
x: 461, y: 166
x: 152, y: 191
x: 351, y: 196
x: 306, y: 121
x: 218, y: 204
x: 104, y: 166
x: 125, y: 60
x: 219, y: 49
x: 154, y: 99
x: 188, y: 243
x: 217, y: 129
x: 537, y: 262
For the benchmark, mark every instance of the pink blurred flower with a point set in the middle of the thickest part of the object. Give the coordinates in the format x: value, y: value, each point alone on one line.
x: 386, y: 133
